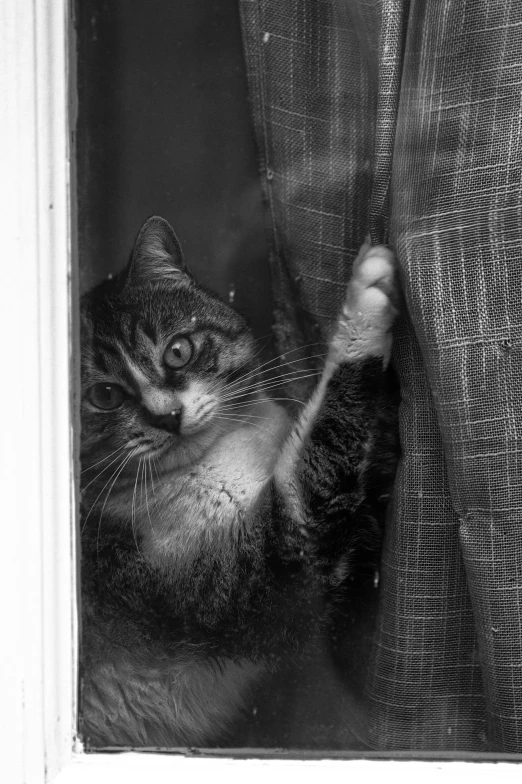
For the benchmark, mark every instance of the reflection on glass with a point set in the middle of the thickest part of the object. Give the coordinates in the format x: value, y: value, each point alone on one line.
x: 246, y: 581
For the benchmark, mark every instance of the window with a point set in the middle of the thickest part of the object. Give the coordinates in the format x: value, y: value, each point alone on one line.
x: 38, y: 595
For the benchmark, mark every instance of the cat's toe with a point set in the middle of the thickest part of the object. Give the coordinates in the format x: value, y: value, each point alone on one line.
x: 373, y: 291
x: 377, y: 268
x: 365, y: 247
x: 370, y: 307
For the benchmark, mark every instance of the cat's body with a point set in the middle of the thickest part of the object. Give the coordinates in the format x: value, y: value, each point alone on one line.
x: 220, y: 527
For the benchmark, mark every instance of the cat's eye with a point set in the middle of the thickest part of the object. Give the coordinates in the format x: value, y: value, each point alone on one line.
x: 106, y: 396
x: 179, y: 352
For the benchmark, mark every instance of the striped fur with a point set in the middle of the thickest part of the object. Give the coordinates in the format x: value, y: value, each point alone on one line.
x: 210, y: 550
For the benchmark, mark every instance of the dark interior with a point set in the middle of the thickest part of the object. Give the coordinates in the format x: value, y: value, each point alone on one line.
x: 164, y: 128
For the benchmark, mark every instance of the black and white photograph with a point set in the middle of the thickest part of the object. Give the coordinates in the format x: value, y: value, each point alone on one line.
x: 262, y: 446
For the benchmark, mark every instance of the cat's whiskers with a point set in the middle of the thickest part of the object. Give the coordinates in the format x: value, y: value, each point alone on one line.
x: 117, y: 471
x: 253, y: 372
x: 145, y: 460
x: 269, y: 384
x: 286, y: 353
x: 142, y: 448
x: 83, y: 489
x: 153, y: 486
x: 266, y: 338
x: 261, y: 386
x: 261, y: 402
x: 141, y: 489
x: 89, y: 468
x: 248, y: 362
x: 155, y: 463
x: 150, y: 459
x: 254, y: 416
x: 264, y: 386
x: 243, y: 422
x: 133, y: 506
x: 260, y: 372
x: 267, y: 378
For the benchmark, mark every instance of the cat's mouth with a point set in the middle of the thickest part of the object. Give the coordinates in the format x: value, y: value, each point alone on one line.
x: 179, y: 438
x: 161, y: 449
x: 183, y: 447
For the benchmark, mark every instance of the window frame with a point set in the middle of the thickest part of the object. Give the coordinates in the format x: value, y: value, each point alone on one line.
x: 38, y: 593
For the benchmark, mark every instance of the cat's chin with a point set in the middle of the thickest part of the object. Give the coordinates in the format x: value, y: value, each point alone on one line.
x: 185, y: 450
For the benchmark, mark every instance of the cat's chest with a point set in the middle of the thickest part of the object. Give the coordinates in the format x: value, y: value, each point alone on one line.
x: 224, y: 485
x: 230, y: 477
x: 214, y: 496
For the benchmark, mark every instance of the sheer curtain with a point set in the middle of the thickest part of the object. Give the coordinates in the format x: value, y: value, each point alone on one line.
x: 404, y: 119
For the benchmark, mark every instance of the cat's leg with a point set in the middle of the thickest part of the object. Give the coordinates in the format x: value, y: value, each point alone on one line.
x: 322, y: 476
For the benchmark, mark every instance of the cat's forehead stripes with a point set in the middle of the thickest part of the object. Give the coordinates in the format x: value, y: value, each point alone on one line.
x: 139, y: 379
x: 137, y: 332
x: 128, y: 331
x: 141, y: 363
x: 108, y: 358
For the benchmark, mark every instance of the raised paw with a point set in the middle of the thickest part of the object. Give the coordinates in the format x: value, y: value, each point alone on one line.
x: 369, y: 309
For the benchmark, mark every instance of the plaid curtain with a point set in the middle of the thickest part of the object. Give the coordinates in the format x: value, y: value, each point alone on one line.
x: 404, y: 118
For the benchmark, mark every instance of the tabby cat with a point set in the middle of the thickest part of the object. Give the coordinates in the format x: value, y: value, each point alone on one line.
x: 217, y: 525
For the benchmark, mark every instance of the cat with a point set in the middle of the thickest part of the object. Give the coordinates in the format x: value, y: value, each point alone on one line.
x: 218, y: 526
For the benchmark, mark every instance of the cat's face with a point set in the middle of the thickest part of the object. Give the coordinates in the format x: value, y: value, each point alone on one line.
x: 157, y: 355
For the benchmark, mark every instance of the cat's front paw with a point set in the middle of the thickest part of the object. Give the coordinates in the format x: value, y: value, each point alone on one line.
x: 370, y: 307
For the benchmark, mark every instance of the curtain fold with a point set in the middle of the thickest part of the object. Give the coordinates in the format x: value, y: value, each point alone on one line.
x: 456, y: 226
x: 404, y: 119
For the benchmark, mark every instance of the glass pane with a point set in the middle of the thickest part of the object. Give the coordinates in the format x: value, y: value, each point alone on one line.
x: 259, y: 569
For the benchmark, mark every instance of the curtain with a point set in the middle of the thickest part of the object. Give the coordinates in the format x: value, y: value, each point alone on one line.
x: 404, y: 119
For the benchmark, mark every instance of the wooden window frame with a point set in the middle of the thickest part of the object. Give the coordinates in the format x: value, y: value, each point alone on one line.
x: 38, y: 594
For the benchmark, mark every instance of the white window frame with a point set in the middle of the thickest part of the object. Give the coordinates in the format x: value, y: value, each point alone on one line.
x: 39, y: 627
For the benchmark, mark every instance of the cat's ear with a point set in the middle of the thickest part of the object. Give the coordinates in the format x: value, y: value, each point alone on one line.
x: 156, y: 253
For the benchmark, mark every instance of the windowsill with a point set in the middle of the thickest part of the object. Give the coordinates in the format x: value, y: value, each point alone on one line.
x: 133, y: 767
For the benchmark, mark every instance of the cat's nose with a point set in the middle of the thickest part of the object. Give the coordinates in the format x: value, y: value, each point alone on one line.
x: 170, y: 422
x: 158, y: 401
